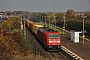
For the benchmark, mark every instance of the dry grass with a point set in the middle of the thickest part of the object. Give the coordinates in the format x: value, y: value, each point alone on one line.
x: 29, y: 56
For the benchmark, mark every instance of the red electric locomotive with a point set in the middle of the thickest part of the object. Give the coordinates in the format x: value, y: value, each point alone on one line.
x: 51, y: 39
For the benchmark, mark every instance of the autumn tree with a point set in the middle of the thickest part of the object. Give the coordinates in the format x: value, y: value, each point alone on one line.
x: 50, y: 17
x: 70, y: 14
x: 11, y: 24
x: 87, y: 14
x: 12, y: 41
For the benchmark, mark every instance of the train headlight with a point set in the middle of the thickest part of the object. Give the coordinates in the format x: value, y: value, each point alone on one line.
x: 58, y: 41
x: 50, y: 41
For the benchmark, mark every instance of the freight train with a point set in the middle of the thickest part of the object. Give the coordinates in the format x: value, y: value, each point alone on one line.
x: 49, y: 38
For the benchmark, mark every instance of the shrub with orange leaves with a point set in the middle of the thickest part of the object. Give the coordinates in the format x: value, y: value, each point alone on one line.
x: 12, y: 41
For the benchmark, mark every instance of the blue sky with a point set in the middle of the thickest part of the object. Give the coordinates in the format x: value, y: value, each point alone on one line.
x: 45, y: 5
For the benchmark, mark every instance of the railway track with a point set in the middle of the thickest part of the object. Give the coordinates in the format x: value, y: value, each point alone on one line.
x: 58, y: 56
x: 69, y: 54
x: 65, y: 54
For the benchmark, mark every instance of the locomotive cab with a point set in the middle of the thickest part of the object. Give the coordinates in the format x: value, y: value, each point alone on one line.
x: 53, y: 40
x: 50, y: 38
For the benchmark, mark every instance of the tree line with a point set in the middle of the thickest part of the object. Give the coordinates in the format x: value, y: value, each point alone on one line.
x: 73, y: 20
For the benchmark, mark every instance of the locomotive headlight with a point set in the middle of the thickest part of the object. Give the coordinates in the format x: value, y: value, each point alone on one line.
x: 58, y: 41
x: 50, y: 41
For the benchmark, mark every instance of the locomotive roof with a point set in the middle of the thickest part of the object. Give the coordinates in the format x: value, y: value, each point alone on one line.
x: 46, y: 29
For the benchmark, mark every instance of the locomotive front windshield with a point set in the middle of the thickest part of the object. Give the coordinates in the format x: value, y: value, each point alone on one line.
x: 54, y: 35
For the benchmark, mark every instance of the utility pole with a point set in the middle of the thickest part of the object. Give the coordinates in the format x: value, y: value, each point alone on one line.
x: 54, y: 14
x: 83, y: 27
x: 64, y: 24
